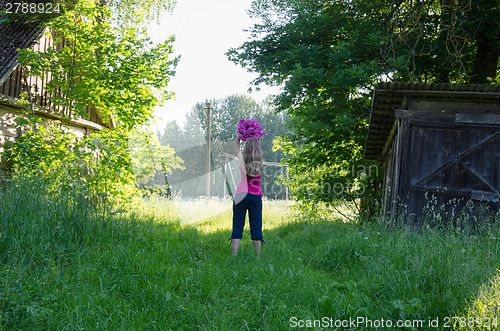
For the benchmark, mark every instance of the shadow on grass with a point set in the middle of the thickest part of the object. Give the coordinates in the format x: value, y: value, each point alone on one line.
x: 343, y: 271
x: 66, y: 267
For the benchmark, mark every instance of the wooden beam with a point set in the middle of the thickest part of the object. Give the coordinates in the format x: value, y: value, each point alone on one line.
x: 478, y: 118
x: 455, y: 106
x: 444, y: 93
x: 425, y: 117
x: 388, y: 142
x: 472, y: 194
x: 485, y: 196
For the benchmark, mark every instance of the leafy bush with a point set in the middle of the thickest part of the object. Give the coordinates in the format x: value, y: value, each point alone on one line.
x: 96, y: 166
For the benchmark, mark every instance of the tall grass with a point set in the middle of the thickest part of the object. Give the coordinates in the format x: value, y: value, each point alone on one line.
x: 68, y: 265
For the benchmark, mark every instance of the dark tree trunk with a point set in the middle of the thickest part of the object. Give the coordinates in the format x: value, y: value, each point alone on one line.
x: 446, y: 19
x: 486, y: 62
x: 446, y: 16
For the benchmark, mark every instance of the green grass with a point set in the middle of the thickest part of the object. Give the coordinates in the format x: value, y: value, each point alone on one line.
x: 67, y: 266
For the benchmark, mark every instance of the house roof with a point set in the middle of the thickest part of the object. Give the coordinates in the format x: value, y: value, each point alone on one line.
x: 17, y: 32
x: 387, y: 97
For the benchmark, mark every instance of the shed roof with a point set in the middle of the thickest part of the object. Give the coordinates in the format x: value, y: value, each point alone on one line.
x: 387, y: 97
x: 17, y: 32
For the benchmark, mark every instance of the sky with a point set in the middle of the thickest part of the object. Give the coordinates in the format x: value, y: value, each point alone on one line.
x: 205, y: 31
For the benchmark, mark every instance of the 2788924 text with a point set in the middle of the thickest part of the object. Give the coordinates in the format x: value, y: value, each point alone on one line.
x: 31, y: 8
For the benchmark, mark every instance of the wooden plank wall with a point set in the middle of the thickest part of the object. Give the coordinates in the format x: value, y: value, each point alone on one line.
x: 16, y: 83
x: 388, y: 175
x: 428, y: 148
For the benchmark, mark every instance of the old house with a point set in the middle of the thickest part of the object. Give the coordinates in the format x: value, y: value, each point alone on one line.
x: 22, y: 34
x: 437, y: 142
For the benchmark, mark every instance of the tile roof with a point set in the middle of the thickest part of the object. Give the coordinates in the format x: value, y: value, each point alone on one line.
x: 16, y: 31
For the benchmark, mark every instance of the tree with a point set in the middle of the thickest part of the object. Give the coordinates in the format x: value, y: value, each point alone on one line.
x: 127, y: 11
x: 172, y: 135
x: 225, y: 115
x: 446, y: 40
x: 228, y: 111
x: 190, y: 141
x: 118, y: 71
x: 328, y: 54
x: 149, y: 157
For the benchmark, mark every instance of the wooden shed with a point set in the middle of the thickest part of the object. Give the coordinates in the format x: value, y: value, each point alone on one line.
x: 22, y: 34
x: 436, y: 141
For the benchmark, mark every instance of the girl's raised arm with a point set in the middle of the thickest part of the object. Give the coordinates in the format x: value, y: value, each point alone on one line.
x: 236, y: 146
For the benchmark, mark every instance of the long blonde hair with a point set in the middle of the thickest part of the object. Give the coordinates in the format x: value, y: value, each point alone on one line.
x: 252, y: 157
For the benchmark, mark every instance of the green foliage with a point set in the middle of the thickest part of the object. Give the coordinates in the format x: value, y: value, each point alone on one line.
x: 106, y: 165
x: 127, y: 11
x: 225, y: 115
x: 324, y: 64
x: 148, y: 156
x: 116, y: 70
x: 228, y: 111
x: 48, y: 153
x: 111, y: 174
x: 327, y: 56
x: 96, y: 166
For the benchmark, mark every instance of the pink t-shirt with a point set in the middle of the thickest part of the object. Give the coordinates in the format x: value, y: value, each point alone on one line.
x: 249, y: 184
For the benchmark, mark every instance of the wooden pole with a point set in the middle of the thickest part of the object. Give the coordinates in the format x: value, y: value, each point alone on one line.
x: 208, y: 108
x: 286, y: 187
x: 225, y: 173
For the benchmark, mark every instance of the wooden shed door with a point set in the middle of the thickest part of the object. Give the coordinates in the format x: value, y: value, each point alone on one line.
x: 454, y: 162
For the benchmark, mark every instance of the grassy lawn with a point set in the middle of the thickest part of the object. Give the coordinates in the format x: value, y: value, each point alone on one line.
x: 66, y: 266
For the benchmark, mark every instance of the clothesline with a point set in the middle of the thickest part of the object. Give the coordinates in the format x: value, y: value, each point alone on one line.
x: 277, y: 164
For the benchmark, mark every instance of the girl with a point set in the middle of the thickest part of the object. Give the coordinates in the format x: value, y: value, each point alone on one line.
x: 248, y: 195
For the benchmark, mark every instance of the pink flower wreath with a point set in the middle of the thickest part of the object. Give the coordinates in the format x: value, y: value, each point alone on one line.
x: 249, y: 128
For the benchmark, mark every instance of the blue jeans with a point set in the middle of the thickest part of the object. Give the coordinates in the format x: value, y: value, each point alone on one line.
x: 253, y: 203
